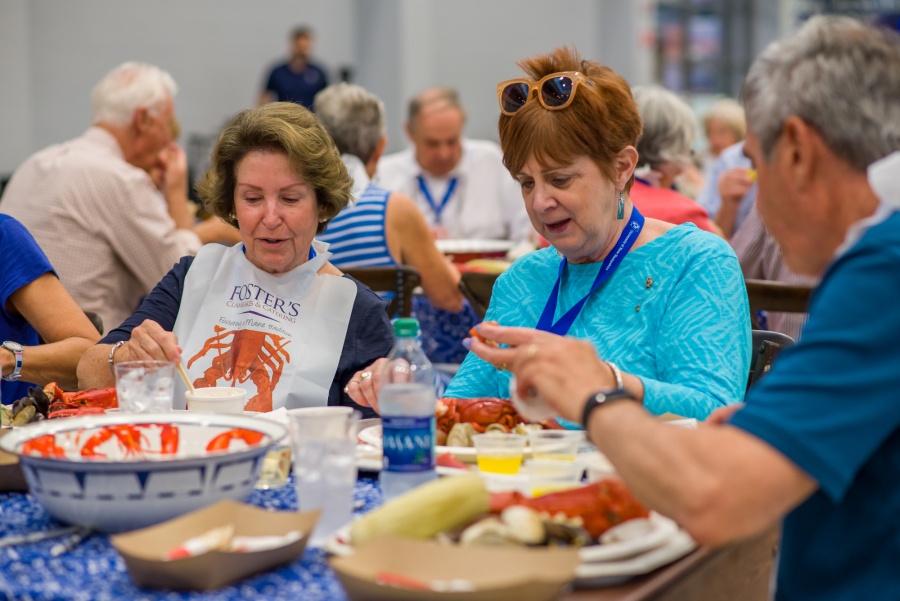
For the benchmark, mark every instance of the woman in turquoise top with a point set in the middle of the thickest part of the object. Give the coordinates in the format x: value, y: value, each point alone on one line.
x: 664, y: 305
x: 672, y: 317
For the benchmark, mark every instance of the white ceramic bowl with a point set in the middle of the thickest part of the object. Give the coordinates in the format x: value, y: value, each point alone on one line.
x: 117, y: 489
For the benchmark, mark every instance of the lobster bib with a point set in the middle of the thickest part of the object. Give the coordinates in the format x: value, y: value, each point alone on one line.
x: 278, y: 336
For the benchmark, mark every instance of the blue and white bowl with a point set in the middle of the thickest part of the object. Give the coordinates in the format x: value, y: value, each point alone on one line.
x: 133, y: 476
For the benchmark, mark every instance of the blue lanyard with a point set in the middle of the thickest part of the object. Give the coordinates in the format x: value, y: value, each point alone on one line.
x: 437, y: 209
x: 609, y: 265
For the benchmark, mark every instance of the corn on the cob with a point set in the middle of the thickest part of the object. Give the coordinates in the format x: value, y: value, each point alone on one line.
x: 425, y: 511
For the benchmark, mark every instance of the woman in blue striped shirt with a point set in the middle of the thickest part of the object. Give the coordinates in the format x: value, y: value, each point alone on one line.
x: 381, y: 228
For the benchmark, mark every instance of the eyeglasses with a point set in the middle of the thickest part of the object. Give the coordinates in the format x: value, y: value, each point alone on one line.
x: 555, y: 91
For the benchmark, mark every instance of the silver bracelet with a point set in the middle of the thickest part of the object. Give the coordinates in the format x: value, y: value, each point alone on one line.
x: 617, y: 374
x: 111, y: 359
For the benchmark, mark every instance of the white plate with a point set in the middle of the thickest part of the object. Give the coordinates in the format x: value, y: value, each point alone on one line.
x: 369, y: 461
x: 606, y: 573
x: 452, y: 247
x: 372, y: 436
x: 661, y: 530
x: 610, y: 572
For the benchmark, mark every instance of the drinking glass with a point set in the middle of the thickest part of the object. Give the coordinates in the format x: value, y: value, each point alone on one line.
x: 324, y: 446
x: 145, y: 386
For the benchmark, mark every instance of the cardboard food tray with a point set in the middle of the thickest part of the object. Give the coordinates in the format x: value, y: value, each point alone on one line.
x: 12, y: 479
x: 144, y: 550
x: 495, y: 573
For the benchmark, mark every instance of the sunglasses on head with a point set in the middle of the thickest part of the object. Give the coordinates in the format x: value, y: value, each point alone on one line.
x: 555, y: 91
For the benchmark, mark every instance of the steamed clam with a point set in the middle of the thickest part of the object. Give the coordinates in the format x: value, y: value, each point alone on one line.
x: 516, y: 525
x: 461, y: 435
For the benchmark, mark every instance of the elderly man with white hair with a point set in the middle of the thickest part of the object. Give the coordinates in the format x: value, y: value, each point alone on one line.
x: 92, y: 206
x: 816, y: 447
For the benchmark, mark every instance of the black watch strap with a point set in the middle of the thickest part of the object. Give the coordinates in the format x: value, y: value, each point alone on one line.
x: 597, y: 399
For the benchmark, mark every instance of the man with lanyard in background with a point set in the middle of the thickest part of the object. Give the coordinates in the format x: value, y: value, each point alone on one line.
x: 460, y: 185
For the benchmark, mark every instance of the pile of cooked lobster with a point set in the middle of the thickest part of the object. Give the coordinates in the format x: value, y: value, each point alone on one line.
x: 51, y: 401
x: 459, y: 419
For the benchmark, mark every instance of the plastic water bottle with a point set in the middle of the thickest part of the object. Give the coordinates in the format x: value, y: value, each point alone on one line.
x: 406, y: 402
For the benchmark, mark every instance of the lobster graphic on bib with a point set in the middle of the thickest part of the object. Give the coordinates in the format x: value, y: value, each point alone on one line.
x: 277, y: 336
x: 243, y: 355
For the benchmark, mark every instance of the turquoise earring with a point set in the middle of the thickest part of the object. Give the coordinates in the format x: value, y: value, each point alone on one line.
x: 620, y: 213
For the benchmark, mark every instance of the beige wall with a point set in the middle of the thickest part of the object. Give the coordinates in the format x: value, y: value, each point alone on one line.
x: 53, y: 51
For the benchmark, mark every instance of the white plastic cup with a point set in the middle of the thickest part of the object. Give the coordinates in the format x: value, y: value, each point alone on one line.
x: 320, y: 422
x: 549, y: 475
x: 145, y: 386
x: 324, y: 476
x: 499, y: 453
x: 555, y: 445
x: 218, y: 399
x: 323, y: 440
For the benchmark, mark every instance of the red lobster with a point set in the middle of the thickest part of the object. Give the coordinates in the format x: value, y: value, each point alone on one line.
x: 480, y: 413
x: 243, y: 355
x: 82, y: 402
x: 601, y: 504
x: 223, y: 441
x: 132, y: 439
x: 45, y: 446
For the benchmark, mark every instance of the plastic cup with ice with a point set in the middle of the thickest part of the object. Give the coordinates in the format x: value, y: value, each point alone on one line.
x: 145, y: 386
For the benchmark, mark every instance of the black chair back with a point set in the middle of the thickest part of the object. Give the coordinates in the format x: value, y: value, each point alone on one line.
x: 401, y: 280
x: 477, y: 288
x: 767, y: 295
x: 766, y: 346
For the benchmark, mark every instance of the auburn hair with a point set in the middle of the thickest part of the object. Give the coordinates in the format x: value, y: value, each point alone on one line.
x: 597, y: 125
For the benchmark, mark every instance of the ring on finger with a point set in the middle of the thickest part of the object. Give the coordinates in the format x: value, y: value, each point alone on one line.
x: 502, y: 366
x: 366, y: 375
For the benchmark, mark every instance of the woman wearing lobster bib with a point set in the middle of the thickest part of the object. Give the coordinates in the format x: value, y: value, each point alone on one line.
x: 270, y: 315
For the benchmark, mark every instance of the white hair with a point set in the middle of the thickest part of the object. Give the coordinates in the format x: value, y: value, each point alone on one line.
x: 669, y: 126
x: 128, y: 87
x: 353, y: 116
x: 729, y: 112
x: 840, y: 76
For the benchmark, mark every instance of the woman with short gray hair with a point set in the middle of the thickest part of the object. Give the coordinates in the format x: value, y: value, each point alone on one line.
x: 384, y: 228
x: 664, y: 151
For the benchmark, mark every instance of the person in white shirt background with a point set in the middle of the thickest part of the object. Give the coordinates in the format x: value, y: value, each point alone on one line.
x: 460, y: 185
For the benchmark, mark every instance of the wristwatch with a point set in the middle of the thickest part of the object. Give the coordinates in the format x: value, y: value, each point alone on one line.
x: 600, y: 398
x: 16, y: 349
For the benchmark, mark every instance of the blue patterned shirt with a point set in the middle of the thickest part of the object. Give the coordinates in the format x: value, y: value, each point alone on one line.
x: 674, y: 314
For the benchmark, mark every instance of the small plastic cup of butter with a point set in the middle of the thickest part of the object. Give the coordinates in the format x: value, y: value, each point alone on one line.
x: 555, y: 445
x: 549, y: 475
x: 499, y: 453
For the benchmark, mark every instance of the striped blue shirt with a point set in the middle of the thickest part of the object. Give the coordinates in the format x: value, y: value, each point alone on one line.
x: 357, y: 235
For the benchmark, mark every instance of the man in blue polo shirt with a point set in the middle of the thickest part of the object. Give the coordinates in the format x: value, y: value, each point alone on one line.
x: 298, y: 80
x: 816, y: 447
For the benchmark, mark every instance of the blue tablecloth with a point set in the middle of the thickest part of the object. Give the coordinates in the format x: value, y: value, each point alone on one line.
x: 94, y: 570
